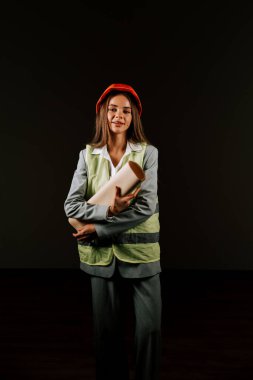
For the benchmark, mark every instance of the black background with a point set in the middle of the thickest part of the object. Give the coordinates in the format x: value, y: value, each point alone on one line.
x: 191, y: 65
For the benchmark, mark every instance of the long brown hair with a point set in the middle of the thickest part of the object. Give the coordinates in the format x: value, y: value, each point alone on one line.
x: 135, y: 132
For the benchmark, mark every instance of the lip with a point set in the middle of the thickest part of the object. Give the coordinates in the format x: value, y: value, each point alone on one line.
x: 118, y: 123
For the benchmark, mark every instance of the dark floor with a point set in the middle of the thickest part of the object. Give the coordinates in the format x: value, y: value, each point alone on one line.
x: 46, y: 325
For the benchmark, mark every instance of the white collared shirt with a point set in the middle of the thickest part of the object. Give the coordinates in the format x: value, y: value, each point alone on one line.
x: 104, y: 153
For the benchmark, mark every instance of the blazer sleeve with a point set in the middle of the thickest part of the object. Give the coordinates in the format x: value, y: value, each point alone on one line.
x: 75, y: 205
x: 144, y: 206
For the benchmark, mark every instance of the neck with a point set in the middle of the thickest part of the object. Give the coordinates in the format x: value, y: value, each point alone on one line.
x: 117, y: 143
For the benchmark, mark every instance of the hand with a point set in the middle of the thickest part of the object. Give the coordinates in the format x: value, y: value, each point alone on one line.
x: 121, y: 202
x: 86, y: 233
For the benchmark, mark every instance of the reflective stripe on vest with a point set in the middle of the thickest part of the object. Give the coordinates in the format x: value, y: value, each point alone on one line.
x: 139, y: 244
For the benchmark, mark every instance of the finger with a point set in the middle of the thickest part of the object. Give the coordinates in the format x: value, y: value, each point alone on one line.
x: 84, y: 229
x: 118, y: 191
x: 85, y: 238
x: 80, y: 233
x: 77, y: 235
x: 137, y: 191
x: 127, y: 197
x: 132, y: 195
x: 82, y: 239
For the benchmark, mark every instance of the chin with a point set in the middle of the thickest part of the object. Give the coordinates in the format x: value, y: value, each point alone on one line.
x: 118, y: 130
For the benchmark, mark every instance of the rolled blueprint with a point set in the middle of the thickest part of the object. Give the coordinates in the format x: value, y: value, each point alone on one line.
x: 126, y: 178
x: 129, y: 176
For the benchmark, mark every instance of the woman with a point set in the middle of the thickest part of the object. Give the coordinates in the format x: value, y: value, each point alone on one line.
x: 120, y: 243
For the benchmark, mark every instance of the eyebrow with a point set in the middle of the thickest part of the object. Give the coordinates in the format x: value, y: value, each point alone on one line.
x: 114, y: 105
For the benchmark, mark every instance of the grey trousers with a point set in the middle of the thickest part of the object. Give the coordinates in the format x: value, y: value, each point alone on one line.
x: 108, y: 302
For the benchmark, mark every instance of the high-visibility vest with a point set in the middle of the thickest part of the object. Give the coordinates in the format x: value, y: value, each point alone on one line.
x: 139, y: 244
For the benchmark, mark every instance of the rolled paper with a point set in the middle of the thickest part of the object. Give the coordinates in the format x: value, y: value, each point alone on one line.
x: 129, y: 176
x: 126, y: 178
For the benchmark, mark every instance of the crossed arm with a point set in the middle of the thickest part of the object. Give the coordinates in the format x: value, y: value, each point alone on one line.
x: 126, y: 212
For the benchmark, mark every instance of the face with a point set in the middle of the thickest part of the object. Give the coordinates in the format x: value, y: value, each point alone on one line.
x: 119, y: 114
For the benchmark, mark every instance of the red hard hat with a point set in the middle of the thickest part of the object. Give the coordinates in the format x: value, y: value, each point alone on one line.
x: 119, y: 87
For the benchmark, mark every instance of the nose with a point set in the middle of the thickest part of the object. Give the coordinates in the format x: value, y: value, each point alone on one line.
x: 119, y: 113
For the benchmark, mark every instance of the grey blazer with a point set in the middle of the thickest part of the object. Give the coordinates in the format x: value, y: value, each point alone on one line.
x: 144, y: 206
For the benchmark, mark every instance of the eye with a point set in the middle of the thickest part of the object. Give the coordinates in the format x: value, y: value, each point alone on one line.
x: 112, y: 109
x: 127, y: 111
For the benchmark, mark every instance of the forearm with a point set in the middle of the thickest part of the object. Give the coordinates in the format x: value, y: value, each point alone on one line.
x: 83, y: 211
x: 127, y: 219
x: 143, y: 207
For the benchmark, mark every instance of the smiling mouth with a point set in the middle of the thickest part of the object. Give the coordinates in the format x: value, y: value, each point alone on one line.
x: 118, y: 123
